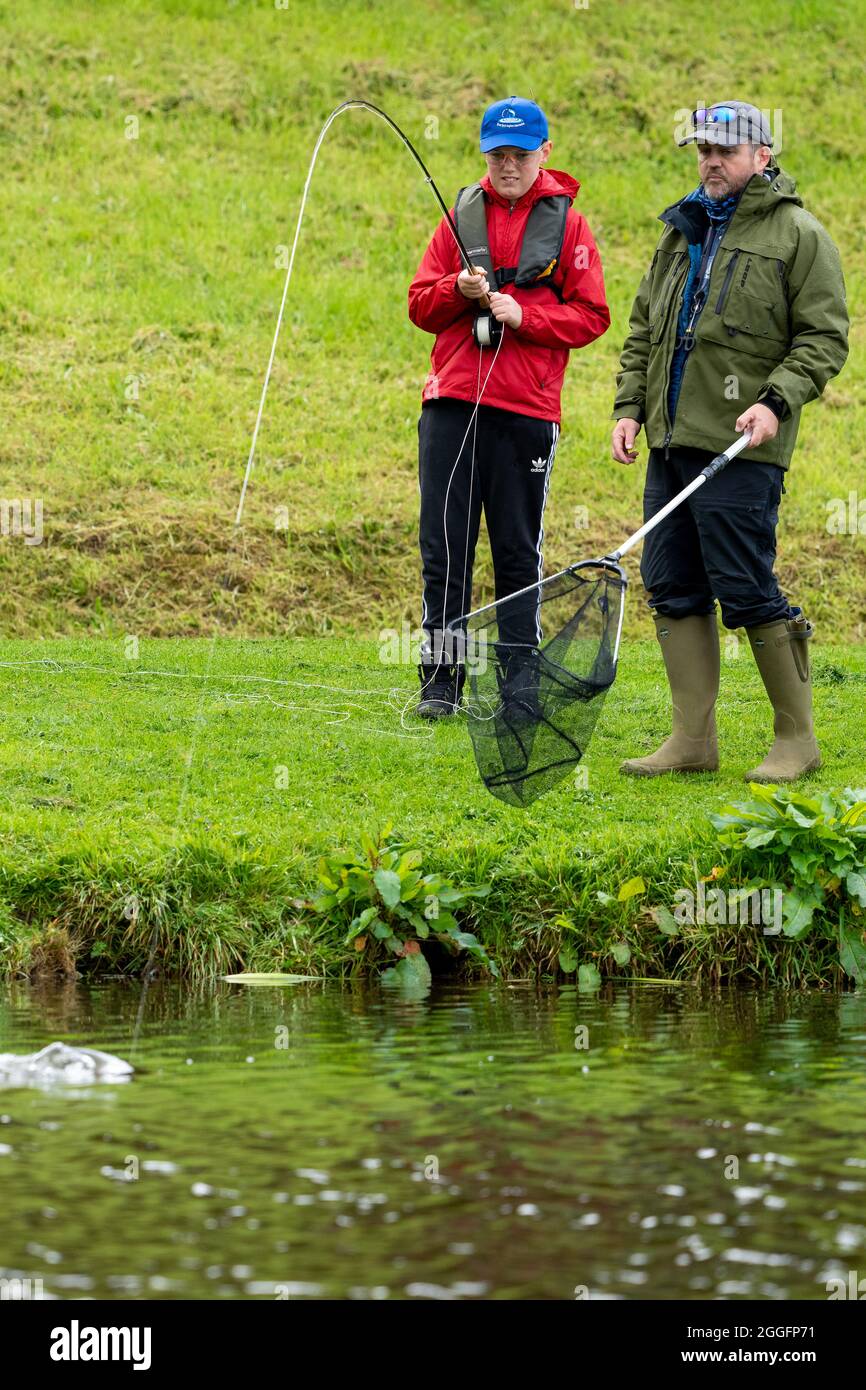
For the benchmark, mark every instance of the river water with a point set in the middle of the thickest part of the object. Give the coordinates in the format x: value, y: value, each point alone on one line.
x: 486, y: 1142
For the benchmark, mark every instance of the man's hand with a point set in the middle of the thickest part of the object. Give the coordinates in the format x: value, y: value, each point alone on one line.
x: 506, y: 309
x: 763, y: 423
x: 622, y: 440
x: 473, y: 286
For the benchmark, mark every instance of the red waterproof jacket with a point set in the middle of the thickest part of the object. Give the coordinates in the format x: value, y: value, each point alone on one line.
x: 531, y: 364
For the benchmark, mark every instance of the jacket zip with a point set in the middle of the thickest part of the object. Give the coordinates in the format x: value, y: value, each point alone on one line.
x: 697, y: 308
x: 670, y: 299
x: 726, y: 283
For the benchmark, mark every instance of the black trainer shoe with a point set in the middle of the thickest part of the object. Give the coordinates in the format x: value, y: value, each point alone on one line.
x: 519, y: 684
x: 441, y: 689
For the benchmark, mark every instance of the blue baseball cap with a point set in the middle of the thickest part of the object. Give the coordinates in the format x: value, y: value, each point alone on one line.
x: 514, y: 121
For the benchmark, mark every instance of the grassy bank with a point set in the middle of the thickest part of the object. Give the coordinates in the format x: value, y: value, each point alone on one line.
x: 154, y: 153
x: 175, y: 805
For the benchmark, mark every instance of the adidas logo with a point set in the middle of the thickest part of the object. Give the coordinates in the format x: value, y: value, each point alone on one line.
x: 539, y: 465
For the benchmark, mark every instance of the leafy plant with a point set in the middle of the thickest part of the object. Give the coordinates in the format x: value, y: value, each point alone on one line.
x: 381, y: 895
x: 813, y: 848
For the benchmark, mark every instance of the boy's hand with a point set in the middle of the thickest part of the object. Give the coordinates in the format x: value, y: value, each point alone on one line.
x: 506, y: 310
x: 473, y: 286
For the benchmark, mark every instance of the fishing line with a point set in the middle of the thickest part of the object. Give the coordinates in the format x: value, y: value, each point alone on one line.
x: 354, y: 104
x: 359, y: 104
x: 391, y: 698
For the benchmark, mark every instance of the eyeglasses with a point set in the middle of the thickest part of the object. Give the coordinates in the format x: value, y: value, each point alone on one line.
x: 519, y: 156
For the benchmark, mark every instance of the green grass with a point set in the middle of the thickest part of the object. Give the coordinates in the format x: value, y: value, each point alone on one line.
x: 177, y: 803
x: 138, y: 294
x: 139, y: 288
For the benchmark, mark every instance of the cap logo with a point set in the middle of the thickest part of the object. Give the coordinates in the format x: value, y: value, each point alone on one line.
x: 510, y: 117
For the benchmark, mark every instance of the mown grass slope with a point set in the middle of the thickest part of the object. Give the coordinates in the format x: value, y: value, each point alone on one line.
x: 154, y: 154
x: 178, y: 802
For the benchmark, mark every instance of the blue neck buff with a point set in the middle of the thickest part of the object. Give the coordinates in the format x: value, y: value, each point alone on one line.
x: 717, y: 209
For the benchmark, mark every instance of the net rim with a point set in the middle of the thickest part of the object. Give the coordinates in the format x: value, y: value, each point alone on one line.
x: 604, y: 562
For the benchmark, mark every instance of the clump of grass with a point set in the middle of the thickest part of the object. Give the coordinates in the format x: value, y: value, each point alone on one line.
x: 50, y: 955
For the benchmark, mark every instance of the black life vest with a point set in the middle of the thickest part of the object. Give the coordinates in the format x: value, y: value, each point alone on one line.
x: 540, y: 249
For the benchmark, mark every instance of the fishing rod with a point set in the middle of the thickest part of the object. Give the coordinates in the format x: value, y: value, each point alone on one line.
x: 486, y: 330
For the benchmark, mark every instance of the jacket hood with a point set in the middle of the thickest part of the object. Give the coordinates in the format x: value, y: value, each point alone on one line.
x: 549, y: 183
x: 761, y: 196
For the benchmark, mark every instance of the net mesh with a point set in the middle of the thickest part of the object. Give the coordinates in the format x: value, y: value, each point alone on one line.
x: 534, y: 698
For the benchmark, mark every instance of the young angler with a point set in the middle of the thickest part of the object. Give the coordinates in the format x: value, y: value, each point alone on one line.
x: 739, y: 322
x: 540, y: 277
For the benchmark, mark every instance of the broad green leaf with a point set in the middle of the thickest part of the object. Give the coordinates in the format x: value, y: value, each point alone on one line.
x: 588, y: 977
x: 568, y: 960
x: 852, y: 952
x: 758, y: 837
x: 856, y: 885
x: 797, y: 913
x: 410, y: 885
x: 388, y: 884
x: 411, y: 860
x: 605, y: 897
x: 324, y: 903
x: 360, y: 924
x: 632, y: 888
x: 620, y: 952
x: 326, y: 875
x: 411, y: 973
x: 449, y: 894
x: 665, y: 920
x: 381, y: 930
x: 467, y: 939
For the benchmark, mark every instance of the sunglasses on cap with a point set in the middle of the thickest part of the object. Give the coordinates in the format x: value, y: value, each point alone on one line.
x: 732, y: 123
x: 706, y: 115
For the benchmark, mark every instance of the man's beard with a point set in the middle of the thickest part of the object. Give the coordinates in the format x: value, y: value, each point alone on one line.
x: 719, y: 190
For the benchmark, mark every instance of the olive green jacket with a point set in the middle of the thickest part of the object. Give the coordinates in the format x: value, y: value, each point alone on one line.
x: 775, y: 319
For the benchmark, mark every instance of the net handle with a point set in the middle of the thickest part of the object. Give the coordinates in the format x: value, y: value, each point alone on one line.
x: 715, y: 466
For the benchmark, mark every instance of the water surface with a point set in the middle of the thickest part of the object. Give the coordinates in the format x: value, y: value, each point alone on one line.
x: 319, y: 1141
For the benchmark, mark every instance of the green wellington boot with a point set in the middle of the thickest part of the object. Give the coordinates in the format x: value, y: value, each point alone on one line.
x: 690, y: 647
x: 782, y: 655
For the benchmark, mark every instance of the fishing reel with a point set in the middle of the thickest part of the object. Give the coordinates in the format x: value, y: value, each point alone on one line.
x: 486, y: 330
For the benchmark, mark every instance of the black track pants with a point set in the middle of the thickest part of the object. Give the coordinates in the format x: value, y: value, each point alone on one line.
x: 719, y: 544
x: 513, y: 459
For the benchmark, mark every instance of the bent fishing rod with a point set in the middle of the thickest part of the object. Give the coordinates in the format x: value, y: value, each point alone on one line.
x: 486, y: 331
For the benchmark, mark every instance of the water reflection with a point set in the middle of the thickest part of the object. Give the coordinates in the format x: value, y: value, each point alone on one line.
x: 484, y: 1142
